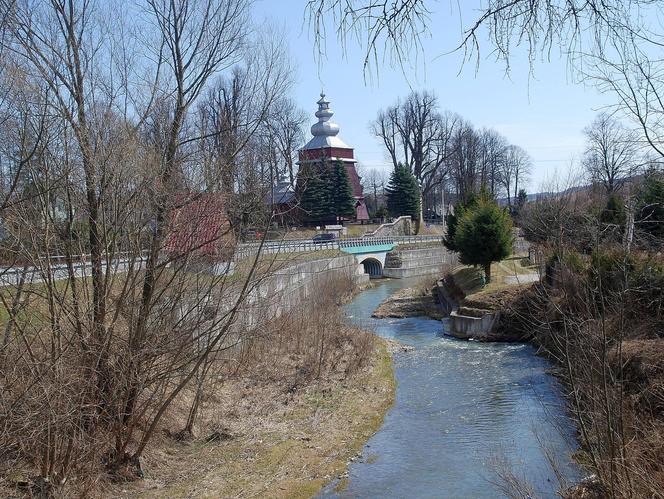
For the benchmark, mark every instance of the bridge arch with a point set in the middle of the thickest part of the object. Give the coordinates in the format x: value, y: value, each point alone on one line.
x: 372, y: 266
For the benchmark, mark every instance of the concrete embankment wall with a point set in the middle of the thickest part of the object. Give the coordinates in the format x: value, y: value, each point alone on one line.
x: 273, y: 295
x: 403, y: 263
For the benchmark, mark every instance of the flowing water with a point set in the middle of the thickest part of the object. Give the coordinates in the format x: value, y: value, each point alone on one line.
x: 465, y: 414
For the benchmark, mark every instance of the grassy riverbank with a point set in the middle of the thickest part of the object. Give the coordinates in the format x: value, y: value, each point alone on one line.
x: 509, y: 277
x: 288, y: 451
x: 284, y: 420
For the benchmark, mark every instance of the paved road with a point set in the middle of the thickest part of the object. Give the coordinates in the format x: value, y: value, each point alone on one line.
x: 10, y: 276
x: 522, y: 279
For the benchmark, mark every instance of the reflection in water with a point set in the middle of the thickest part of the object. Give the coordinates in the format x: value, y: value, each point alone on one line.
x: 461, y: 407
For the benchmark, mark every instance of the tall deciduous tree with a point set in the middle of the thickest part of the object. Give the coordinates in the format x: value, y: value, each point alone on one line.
x: 515, y: 170
x: 611, y: 151
x: 416, y: 134
x: 484, y: 235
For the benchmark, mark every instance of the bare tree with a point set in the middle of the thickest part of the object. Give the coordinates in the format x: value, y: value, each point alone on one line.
x: 375, y: 181
x: 492, y: 157
x: 416, y: 134
x: 515, y: 170
x: 287, y: 125
x: 611, y: 152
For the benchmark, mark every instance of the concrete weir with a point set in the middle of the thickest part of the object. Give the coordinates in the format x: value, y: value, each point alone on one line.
x: 468, y: 326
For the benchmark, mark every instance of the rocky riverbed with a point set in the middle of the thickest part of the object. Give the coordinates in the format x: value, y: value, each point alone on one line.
x: 409, y: 302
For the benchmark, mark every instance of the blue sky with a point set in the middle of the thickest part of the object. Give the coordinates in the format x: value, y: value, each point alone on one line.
x: 544, y: 113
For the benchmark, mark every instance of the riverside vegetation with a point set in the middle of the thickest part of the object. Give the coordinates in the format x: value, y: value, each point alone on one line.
x: 281, y: 414
x: 597, y: 313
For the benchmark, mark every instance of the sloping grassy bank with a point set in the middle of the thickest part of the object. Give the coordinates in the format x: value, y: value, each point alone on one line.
x: 292, y: 449
x: 285, y: 416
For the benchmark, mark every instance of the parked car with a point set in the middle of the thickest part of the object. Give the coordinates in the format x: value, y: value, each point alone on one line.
x: 323, y: 238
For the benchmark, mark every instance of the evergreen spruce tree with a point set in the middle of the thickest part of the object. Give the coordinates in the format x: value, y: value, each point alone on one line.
x: 403, y: 194
x: 452, y: 220
x: 651, y: 204
x: 484, y: 235
x: 614, y: 211
x: 342, y: 202
x: 314, y: 187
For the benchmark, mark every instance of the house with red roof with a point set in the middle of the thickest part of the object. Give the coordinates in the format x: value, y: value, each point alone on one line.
x: 200, y: 226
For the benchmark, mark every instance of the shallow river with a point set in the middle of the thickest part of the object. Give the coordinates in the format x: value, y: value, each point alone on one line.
x: 465, y: 413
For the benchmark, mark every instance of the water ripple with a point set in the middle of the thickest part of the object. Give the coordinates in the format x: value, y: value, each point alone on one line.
x: 460, y: 408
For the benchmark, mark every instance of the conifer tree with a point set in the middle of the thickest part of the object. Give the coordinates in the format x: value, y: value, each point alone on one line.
x: 484, y: 235
x: 313, y: 185
x: 651, y: 204
x: 453, y: 219
x: 342, y: 202
x: 614, y: 211
x: 403, y: 193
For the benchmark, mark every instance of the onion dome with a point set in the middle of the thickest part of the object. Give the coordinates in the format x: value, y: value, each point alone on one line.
x: 325, y: 131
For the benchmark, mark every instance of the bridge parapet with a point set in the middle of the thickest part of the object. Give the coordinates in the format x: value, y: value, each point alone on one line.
x: 245, y: 250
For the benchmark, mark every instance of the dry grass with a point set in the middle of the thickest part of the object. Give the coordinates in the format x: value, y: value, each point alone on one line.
x: 292, y: 408
x: 469, y: 279
x: 416, y: 301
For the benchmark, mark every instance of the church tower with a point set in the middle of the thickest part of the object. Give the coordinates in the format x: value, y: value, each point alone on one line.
x: 327, y: 146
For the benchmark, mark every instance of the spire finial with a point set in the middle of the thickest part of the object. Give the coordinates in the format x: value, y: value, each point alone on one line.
x: 324, y: 113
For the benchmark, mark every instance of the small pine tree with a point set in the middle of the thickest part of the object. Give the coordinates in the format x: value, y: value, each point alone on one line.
x: 521, y: 199
x: 651, y: 204
x: 484, y: 235
x: 452, y: 220
x: 342, y: 202
x: 403, y: 193
x: 614, y: 211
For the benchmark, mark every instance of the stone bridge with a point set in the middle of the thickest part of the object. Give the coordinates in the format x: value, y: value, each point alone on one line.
x: 371, y: 256
x: 369, y: 251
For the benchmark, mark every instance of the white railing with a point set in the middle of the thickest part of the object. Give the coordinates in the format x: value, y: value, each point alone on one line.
x: 245, y: 250
x: 10, y: 276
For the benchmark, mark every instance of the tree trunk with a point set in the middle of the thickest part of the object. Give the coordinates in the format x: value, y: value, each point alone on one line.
x: 487, y: 272
x: 419, y: 223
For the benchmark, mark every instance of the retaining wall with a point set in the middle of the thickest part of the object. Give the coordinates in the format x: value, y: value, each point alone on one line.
x: 273, y: 295
x: 402, y: 226
x: 403, y: 263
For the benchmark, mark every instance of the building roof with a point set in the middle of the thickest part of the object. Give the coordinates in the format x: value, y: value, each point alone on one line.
x: 199, y: 225
x: 282, y: 192
x: 325, y: 131
x: 354, y: 180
